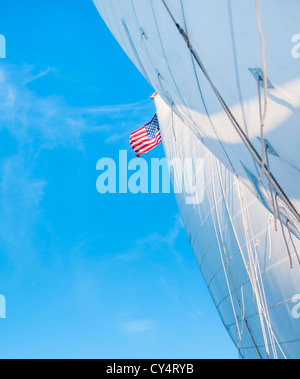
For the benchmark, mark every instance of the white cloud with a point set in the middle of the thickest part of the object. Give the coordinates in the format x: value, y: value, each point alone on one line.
x: 20, y: 196
x: 37, y: 123
x: 138, y: 326
x: 165, y: 242
x: 50, y: 121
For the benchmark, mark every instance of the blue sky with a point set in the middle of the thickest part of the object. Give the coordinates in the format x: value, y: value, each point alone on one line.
x: 86, y: 275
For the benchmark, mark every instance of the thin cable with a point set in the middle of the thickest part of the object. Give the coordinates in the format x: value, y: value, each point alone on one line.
x: 224, y: 268
x: 250, y: 276
x: 261, y: 290
x: 293, y: 243
x: 252, y: 268
x: 283, y: 233
x: 275, y: 210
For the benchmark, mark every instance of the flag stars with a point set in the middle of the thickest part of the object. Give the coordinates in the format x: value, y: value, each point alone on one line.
x: 146, y: 138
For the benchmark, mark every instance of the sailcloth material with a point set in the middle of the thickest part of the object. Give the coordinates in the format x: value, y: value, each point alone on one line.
x: 217, y: 70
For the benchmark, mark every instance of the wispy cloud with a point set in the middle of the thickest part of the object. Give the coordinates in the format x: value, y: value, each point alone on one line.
x: 116, y: 110
x: 29, y: 77
x: 36, y: 124
x: 50, y: 121
x: 158, y: 242
x: 138, y: 326
x: 20, y: 197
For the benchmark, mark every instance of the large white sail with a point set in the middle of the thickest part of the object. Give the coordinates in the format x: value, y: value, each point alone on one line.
x: 244, y: 261
x: 227, y: 72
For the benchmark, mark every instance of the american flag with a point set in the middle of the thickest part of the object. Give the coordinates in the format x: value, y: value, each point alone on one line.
x: 146, y: 138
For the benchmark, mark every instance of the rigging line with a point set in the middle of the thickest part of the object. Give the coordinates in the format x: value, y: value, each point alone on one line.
x: 232, y: 119
x: 252, y: 280
x: 252, y: 266
x: 223, y: 264
x: 173, y: 124
x: 232, y: 223
x: 283, y: 233
x: 260, y: 286
x: 261, y: 291
x: 275, y: 210
x: 250, y: 276
x: 226, y: 255
x: 252, y: 240
x: 265, y: 80
x: 219, y: 249
x: 243, y: 302
x: 293, y: 243
x: 269, y: 237
x: 262, y: 294
x: 259, y: 80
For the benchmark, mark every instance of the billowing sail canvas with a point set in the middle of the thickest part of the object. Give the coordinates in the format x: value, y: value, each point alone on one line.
x: 244, y: 261
x: 228, y: 73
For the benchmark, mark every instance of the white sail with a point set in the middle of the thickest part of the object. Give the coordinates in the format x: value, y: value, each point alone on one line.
x: 226, y: 71
x: 244, y: 261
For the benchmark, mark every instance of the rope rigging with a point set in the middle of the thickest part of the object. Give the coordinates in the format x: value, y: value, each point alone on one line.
x: 259, y: 160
